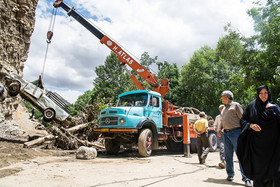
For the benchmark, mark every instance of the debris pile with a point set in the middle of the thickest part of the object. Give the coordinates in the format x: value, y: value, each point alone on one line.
x: 69, y: 138
x: 192, y: 114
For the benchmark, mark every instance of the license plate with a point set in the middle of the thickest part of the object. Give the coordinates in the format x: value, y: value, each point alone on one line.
x: 105, y: 130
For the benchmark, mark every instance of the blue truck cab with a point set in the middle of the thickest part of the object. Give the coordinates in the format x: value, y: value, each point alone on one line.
x: 136, y: 119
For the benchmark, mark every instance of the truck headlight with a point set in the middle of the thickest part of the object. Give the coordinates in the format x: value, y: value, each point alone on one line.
x: 122, y: 121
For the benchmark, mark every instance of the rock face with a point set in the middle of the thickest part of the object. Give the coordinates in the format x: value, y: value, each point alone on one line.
x: 17, y: 21
x: 17, y: 24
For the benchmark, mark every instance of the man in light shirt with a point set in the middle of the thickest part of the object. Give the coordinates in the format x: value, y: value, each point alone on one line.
x: 231, y: 116
x: 218, y: 126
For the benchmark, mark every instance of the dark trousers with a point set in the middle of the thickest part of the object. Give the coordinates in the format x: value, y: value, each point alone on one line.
x: 202, y: 142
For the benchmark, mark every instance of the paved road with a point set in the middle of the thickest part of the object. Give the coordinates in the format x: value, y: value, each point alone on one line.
x: 124, y: 170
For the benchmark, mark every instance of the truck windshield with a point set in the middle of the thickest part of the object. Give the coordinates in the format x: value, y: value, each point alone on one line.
x: 138, y: 100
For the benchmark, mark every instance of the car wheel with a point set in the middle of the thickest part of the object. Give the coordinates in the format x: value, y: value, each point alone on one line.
x: 213, y: 142
x: 14, y: 88
x: 112, y: 146
x: 48, y: 114
x: 145, y: 142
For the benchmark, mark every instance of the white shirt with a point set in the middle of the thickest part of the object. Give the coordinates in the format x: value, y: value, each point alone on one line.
x: 218, y: 122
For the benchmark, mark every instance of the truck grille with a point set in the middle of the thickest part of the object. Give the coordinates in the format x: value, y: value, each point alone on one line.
x: 57, y: 99
x: 109, y: 121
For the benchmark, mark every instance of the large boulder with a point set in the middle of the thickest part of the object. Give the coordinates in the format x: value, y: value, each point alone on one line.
x: 86, y: 153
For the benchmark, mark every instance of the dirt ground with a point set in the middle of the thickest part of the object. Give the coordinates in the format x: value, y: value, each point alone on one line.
x: 28, y: 167
x: 37, y: 167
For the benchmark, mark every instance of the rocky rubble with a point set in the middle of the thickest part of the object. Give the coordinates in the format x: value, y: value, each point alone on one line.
x: 17, y: 21
x: 20, y: 128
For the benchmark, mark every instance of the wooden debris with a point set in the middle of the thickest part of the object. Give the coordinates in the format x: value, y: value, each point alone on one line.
x: 38, y: 141
x: 82, y: 142
x: 77, y: 127
x: 62, y: 140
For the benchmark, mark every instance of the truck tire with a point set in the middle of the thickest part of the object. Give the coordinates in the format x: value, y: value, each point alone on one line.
x: 48, y: 115
x: 145, y: 142
x: 14, y: 88
x: 213, y: 141
x: 112, y: 146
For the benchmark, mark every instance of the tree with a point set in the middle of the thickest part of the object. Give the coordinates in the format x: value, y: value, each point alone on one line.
x: 111, y: 79
x: 199, y: 81
x: 267, y: 20
x: 232, y: 53
x: 147, y: 62
x: 170, y: 72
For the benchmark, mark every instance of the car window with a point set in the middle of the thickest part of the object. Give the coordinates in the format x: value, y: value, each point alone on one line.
x: 33, y: 90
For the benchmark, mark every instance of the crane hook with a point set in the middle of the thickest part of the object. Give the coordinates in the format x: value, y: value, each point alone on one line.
x: 49, y: 36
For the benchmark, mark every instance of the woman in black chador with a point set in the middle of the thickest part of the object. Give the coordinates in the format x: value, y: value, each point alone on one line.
x: 258, y: 147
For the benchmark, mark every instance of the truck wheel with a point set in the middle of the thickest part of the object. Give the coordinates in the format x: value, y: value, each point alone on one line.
x: 48, y: 114
x: 145, y: 141
x: 14, y: 88
x: 112, y: 146
x: 213, y: 142
x: 193, y: 145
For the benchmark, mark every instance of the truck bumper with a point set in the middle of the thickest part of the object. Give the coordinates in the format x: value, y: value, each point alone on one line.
x: 112, y: 130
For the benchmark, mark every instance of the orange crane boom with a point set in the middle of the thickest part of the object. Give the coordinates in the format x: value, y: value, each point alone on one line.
x: 123, y: 56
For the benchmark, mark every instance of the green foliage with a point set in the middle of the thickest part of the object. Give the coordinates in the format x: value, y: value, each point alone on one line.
x: 147, y: 62
x: 88, y: 99
x: 111, y: 79
x: 82, y: 101
x: 199, y: 82
x: 266, y: 51
x: 238, y: 63
x: 37, y: 114
x: 170, y: 72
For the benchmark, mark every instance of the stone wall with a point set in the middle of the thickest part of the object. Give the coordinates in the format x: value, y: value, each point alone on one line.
x: 17, y: 21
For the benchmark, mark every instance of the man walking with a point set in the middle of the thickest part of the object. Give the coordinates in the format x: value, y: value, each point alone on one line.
x: 32, y: 112
x: 201, y: 127
x: 218, y: 126
x: 231, y: 116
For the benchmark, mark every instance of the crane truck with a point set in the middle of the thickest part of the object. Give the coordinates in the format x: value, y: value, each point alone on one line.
x: 141, y: 118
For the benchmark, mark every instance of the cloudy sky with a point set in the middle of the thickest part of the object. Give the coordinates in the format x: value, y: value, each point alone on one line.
x: 171, y: 30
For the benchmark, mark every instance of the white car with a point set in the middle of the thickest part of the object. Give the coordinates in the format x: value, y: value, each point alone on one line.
x: 52, y: 106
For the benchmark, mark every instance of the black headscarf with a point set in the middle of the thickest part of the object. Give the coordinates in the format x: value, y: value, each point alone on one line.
x: 259, y: 152
x: 262, y: 113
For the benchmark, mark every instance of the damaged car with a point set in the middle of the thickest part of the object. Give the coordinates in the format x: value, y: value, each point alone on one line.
x: 51, y: 105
